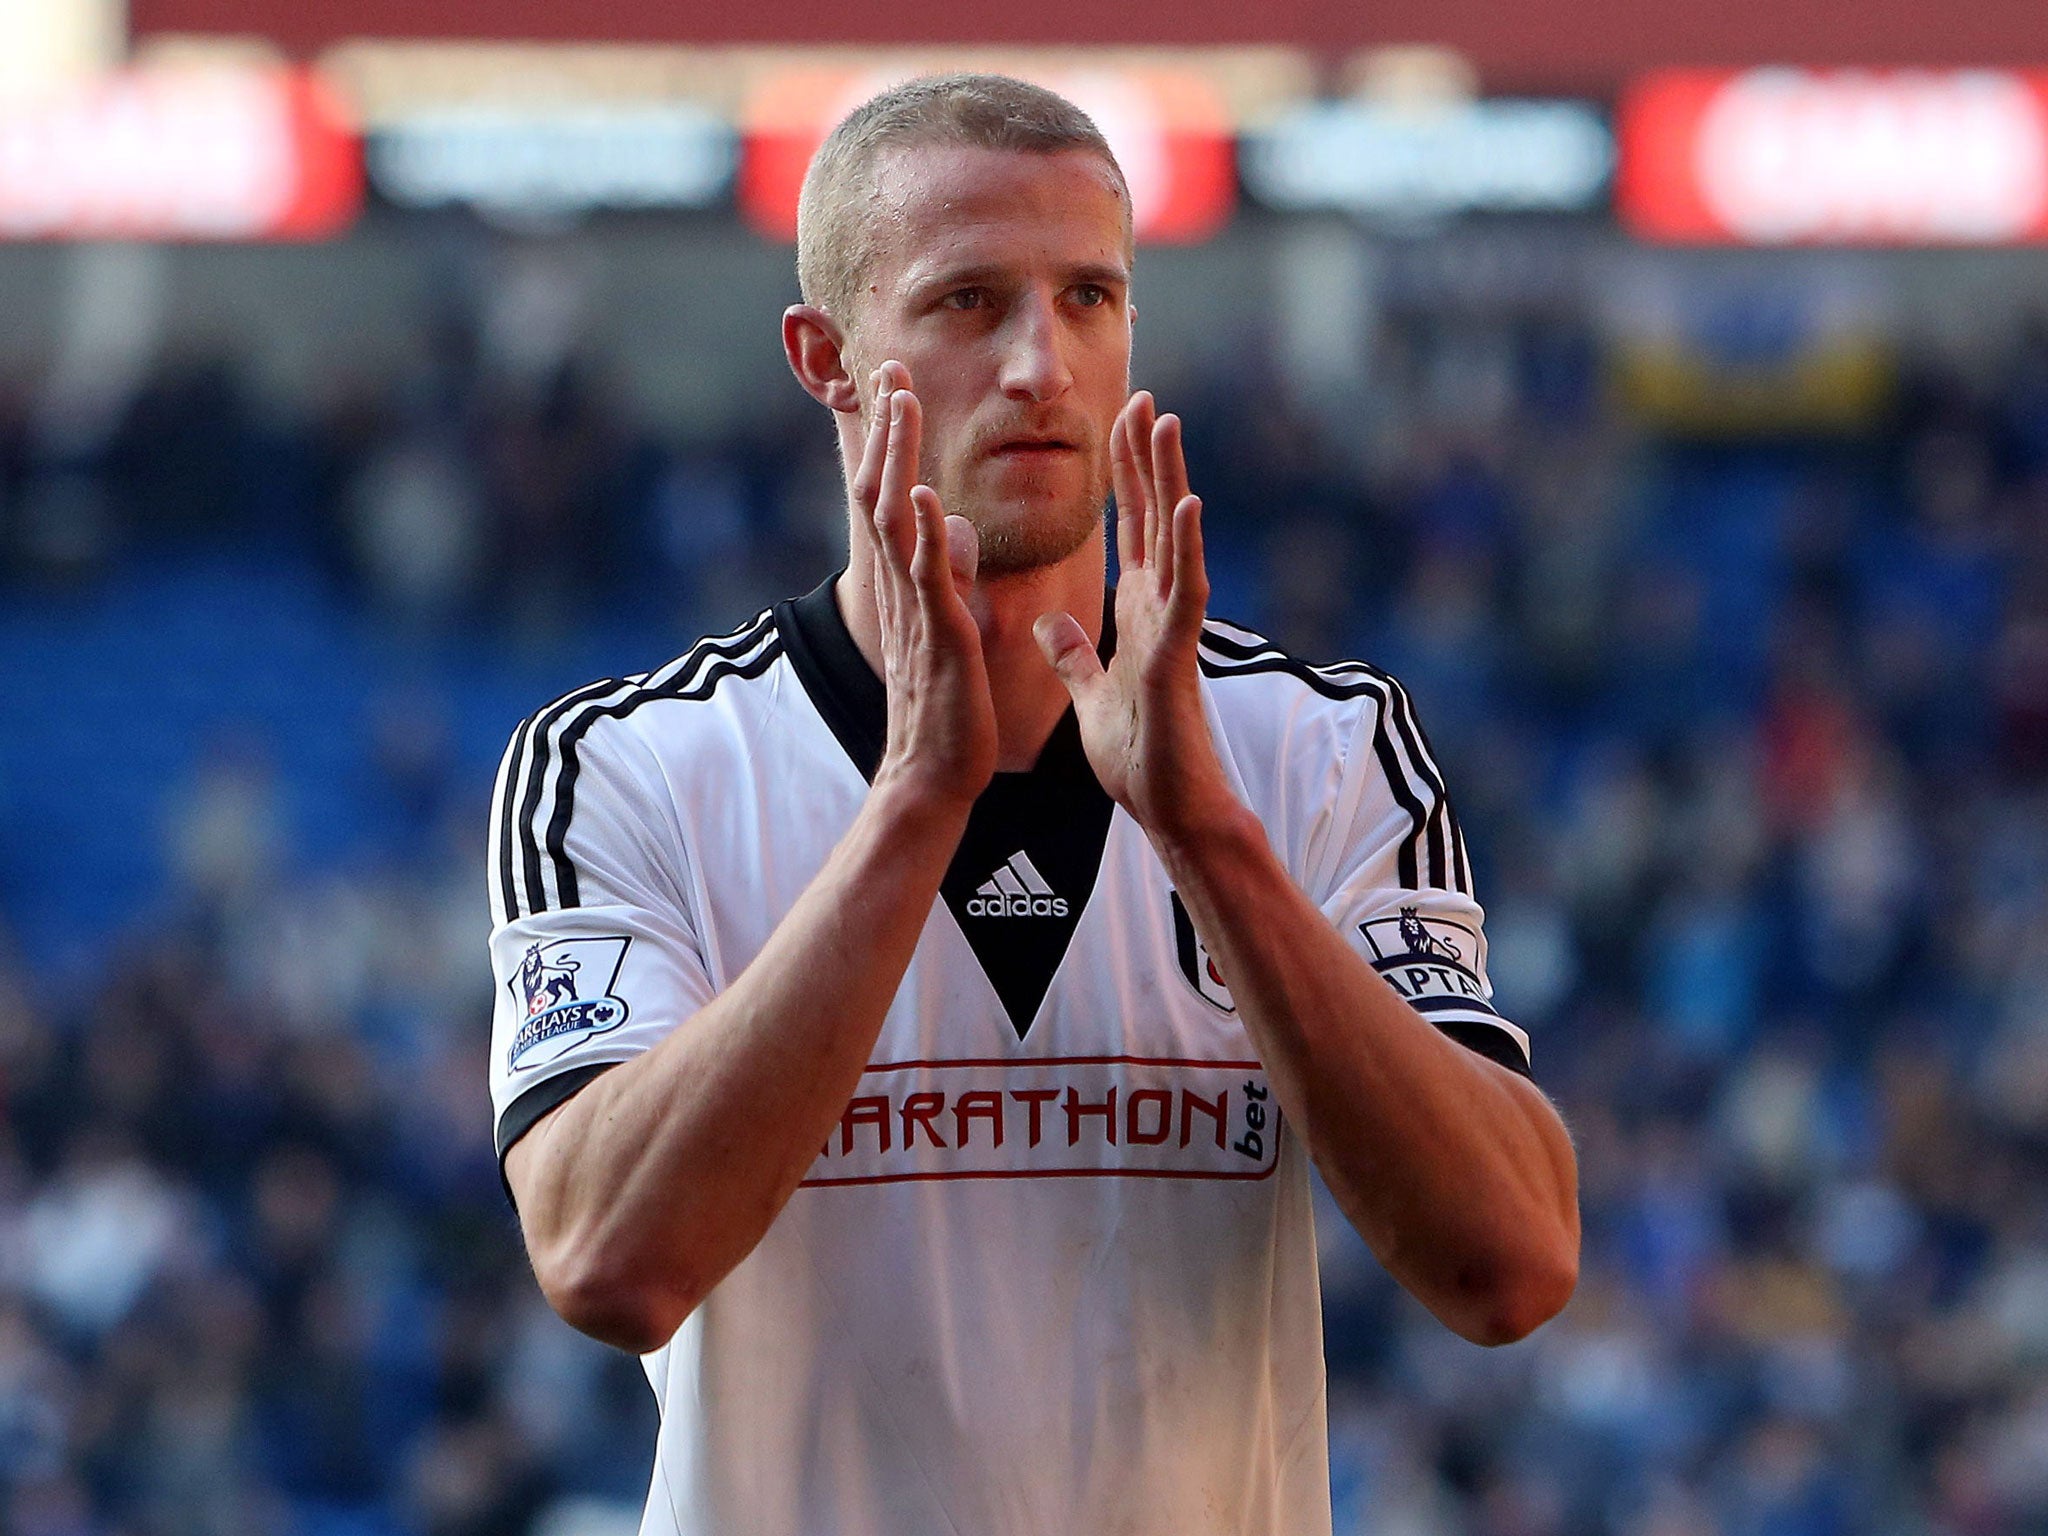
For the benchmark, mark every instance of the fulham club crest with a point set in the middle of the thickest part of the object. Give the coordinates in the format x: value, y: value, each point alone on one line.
x: 1195, y: 964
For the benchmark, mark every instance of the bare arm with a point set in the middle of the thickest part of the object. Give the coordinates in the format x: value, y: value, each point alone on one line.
x: 1456, y: 1171
x: 642, y: 1191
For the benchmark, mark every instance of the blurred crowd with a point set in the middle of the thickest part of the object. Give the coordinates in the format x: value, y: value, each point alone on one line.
x: 1750, y: 738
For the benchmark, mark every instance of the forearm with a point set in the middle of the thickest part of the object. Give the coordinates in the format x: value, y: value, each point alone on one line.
x: 641, y: 1192
x: 1456, y: 1171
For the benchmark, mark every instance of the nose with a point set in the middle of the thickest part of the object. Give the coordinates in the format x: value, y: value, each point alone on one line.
x: 1034, y: 365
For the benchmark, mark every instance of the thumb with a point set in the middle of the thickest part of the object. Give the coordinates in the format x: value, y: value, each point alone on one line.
x: 963, y: 547
x: 1065, y: 645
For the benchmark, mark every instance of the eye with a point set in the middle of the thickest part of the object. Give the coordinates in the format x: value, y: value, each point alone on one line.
x: 965, y: 298
x: 1091, y: 295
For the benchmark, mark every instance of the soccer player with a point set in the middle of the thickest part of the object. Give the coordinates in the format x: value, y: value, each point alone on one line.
x: 918, y: 1007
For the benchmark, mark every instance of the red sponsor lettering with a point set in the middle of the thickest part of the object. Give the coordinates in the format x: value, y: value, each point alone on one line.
x: 978, y: 1104
x: 1037, y: 1099
x: 1123, y: 1117
x: 918, y: 1110
x: 1078, y: 1110
x: 1136, y: 1132
x: 869, y: 1109
x: 1217, y: 1109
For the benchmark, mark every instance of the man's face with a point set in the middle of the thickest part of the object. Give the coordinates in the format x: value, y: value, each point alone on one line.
x: 1001, y: 279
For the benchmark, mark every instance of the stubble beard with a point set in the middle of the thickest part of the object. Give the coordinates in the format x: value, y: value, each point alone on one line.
x: 1017, y: 538
x: 1019, y: 542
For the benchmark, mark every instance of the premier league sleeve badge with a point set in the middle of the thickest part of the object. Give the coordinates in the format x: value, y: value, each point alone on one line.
x: 567, y: 988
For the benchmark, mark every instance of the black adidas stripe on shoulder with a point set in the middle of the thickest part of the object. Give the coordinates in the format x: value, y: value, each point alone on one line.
x: 532, y: 819
x: 1433, y: 853
x: 519, y: 790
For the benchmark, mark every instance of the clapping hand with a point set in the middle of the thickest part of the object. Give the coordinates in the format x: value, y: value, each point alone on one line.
x: 942, y: 726
x: 1142, y: 722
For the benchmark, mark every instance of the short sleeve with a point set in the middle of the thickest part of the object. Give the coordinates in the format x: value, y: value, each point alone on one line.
x: 594, y: 952
x: 1396, y: 881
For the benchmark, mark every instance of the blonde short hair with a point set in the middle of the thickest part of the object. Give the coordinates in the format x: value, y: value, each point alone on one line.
x: 835, y: 238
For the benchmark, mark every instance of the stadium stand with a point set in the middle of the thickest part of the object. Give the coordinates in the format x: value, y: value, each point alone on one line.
x: 1751, y: 741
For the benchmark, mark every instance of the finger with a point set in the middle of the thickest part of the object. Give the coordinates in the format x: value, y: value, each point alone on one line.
x: 1188, y: 603
x: 1064, y: 644
x: 963, y: 546
x: 1169, y: 462
x: 884, y: 584
x: 1163, y: 451
x: 1139, y: 429
x: 906, y: 433
x: 899, y: 474
x: 930, y: 562
x: 1168, y: 485
x: 867, y: 479
x: 1130, y: 496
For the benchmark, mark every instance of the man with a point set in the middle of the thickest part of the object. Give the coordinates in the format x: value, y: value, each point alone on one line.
x: 918, y: 1008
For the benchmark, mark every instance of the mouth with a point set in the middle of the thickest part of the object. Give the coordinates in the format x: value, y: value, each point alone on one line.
x: 1033, y: 447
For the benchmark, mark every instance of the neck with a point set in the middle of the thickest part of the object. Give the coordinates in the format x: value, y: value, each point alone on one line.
x: 1029, y: 699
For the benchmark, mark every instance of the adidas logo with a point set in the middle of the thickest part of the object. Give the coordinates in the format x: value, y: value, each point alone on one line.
x: 1016, y: 890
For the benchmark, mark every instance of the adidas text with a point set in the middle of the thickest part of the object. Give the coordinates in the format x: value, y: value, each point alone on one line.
x: 1017, y: 905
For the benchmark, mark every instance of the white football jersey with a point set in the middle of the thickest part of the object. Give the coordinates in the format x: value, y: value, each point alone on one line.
x: 1055, y: 1268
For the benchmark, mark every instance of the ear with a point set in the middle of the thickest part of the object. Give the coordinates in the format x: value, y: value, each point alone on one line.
x: 816, y: 349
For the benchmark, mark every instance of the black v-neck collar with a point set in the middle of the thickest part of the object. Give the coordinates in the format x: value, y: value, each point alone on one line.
x: 1028, y: 861
x: 851, y: 697
x: 834, y: 673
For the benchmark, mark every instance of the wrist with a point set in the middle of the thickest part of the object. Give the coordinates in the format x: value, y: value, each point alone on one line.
x: 1204, y: 829
x: 913, y: 801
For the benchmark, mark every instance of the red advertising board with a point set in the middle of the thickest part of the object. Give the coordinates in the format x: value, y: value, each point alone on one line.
x: 180, y: 152
x: 1168, y: 129
x: 1835, y: 157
